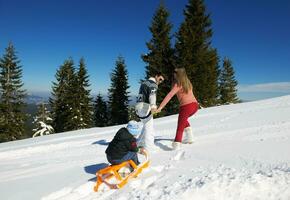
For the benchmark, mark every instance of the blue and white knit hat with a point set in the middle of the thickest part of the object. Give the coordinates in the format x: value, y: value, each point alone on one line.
x: 133, y: 127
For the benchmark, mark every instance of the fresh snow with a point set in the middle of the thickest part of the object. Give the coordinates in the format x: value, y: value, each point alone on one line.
x: 241, y: 151
x: 45, y: 129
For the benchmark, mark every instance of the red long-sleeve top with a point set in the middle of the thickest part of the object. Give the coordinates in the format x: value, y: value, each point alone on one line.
x: 183, y: 98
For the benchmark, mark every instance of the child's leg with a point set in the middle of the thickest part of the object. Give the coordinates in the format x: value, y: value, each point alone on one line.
x: 146, y: 139
x: 181, y: 124
x: 184, y: 113
x: 131, y: 156
x: 140, y: 139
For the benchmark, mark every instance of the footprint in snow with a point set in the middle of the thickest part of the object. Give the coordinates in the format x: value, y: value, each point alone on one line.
x: 179, y: 155
x: 143, y: 184
x: 158, y: 168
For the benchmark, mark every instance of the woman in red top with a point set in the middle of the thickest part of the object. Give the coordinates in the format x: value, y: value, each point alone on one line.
x: 188, y: 106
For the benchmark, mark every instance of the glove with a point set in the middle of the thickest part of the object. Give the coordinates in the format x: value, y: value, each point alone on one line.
x: 141, y: 150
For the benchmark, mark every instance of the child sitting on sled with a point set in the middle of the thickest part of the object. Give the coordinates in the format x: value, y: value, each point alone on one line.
x: 123, y: 147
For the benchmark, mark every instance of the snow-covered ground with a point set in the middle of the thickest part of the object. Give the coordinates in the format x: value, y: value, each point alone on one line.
x: 241, y: 152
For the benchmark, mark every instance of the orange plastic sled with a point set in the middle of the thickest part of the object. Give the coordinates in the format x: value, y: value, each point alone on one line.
x: 104, y: 175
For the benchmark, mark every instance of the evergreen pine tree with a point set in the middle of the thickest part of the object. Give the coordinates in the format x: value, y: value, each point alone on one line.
x: 82, y: 112
x: 2, y: 123
x: 63, y: 96
x: 194, y: 52
x: 160, y: 57
x: 42, y: 121
x: 228, y: 84
x: 118, y: 94
x: 100, y: 112
x: 132, y: 114
x: 12, y: 96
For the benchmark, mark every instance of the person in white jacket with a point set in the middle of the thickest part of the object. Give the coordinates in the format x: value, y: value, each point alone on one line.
x: 145, y: 107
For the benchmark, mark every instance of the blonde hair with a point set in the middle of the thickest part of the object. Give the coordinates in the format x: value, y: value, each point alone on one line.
x: 182, y: 79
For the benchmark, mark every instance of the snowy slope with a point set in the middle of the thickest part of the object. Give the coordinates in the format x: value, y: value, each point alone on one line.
x: 241, y: 152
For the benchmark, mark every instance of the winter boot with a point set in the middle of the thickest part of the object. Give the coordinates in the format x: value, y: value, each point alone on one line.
x: 188, y: 136
x: 176, y: 145
x: 124, y: 171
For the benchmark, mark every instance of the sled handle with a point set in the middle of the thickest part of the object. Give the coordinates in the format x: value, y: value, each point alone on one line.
x: 145, y: 153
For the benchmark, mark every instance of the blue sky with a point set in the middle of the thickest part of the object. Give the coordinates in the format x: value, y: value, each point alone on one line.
x: 254, y: 34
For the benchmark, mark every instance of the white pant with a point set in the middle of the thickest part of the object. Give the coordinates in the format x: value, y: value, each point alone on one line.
x: 146, y: 138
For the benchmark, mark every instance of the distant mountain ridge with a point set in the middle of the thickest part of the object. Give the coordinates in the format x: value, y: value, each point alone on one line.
x: 43, y: 97
x: 33, y: 99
